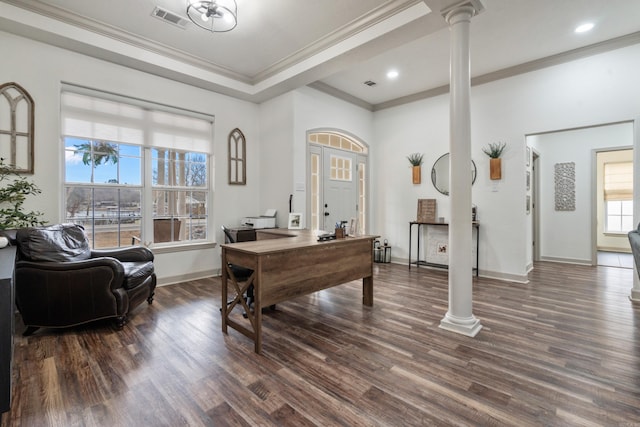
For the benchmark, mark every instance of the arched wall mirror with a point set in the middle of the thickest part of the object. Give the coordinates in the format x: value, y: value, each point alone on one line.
x: 440, y: 174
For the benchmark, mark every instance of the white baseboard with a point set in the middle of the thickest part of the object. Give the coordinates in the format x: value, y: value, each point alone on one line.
x: 506, y: 277
x: 163, y: 281
x: 566, y: 260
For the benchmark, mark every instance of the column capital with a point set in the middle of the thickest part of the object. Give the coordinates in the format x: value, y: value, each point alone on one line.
x: 452, y: 6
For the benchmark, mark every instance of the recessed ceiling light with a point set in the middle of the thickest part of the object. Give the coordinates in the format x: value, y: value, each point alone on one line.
x: 584, y: 27
x: 392, y: 74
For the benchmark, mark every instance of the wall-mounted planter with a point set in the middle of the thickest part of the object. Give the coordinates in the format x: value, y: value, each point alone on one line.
x: 495, y: 168
x: 417, y: 174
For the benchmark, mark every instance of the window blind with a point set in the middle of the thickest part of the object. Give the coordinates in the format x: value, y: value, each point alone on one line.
x: 618, y: 181
x: 93, y: 117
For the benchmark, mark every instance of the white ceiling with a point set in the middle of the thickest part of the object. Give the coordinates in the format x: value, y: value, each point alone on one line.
x: 334, y: 45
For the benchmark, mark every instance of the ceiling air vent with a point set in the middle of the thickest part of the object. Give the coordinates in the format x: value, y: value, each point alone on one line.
x: 370, y: 83
x: 169, y: 17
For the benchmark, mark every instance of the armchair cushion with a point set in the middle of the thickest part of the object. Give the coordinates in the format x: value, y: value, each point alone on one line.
x: 135, y: 273
x: 55, y: 243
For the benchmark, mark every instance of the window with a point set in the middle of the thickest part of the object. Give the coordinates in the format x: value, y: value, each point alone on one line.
x: 16, y: 127
x: 109, y: 145
x: 237, y: 146
x: 340, y: 168
x: 619, y: 216
x: 618, y: 196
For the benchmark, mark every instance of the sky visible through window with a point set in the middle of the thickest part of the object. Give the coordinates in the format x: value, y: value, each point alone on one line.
x: 126, y: 171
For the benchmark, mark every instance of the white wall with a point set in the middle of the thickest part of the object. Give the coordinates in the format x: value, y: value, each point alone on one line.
x: 40, y: 69
x: 569, y: 236
x: 595, y: 90
x: 276, y: 156
x: 284, y: 122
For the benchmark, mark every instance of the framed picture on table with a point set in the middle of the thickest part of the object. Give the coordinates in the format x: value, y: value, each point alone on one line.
x: 353, y: 227
x: 295, y: 221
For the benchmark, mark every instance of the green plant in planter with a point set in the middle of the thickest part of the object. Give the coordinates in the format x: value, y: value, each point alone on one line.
x: 13, y: 192
x: 495, y: 149
x: 415, y: 159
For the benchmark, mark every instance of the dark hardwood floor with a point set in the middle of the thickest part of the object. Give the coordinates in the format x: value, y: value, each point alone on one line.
x: 563, y: 350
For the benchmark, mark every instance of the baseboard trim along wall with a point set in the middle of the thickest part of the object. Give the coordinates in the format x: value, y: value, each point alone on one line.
x: 516, y: 278
x: 566, y: 260
x: 172, y: 280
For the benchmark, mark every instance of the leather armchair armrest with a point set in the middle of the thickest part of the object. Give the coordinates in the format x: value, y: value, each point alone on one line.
x: 76, y: 266
x: 129, y: 254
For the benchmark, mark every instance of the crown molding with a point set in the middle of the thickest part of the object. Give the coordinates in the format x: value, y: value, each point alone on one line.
x: 347, y: 31
x: 356, y: 26
x: 122, y: 36
x: 337, y: 93
x: 526, y: 67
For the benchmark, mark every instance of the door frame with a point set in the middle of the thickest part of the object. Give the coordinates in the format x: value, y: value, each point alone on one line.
x: 361, y: 157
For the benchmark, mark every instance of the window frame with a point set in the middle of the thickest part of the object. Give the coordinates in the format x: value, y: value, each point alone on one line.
x: 147, y: 184
x: 620, y: 216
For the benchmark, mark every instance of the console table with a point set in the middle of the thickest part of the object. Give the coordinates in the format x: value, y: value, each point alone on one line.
x: 7, y: 316
x: 419, y: 262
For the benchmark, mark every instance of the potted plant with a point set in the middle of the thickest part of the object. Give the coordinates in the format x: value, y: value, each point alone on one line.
x: 416, y: 161
x: 494, y: 151
x: 14, y: 189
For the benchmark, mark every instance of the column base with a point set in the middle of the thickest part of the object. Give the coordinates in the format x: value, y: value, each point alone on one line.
x: 634, y: 296
x: 469, y: 326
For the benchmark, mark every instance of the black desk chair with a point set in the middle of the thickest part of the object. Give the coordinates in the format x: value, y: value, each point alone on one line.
x: 241, y: 274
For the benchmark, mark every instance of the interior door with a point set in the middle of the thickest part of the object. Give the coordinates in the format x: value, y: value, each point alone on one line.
x: 340, y: 195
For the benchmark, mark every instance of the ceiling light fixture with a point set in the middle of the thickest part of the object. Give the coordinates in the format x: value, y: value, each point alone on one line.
x: 584, y: 27
x: 217, y: 16
x: 392, y: 74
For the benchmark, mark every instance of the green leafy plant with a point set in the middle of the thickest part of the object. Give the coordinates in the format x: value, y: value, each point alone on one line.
x: 13, y: 192
x: 495, y: 149
x: 415, y: 159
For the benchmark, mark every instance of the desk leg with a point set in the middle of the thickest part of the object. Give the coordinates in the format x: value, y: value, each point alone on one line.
x: 410, y: 227
x: 223, y: 302
x: 367, y: 291
x: 257, y: 313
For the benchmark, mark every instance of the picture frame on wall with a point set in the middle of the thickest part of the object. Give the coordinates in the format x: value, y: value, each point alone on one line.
x: 295, y: 221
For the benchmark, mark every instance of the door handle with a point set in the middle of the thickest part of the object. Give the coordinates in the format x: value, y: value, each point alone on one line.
x: 327, y: 214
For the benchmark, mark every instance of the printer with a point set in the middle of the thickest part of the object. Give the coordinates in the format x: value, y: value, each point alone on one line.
x: 267, y: 220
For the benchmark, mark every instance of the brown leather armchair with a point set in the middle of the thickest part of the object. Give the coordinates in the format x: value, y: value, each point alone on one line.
x: 61, y: 282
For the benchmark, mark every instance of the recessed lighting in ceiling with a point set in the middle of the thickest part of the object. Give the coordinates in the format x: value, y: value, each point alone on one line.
x: 583, y: 28
x: 392, y: 74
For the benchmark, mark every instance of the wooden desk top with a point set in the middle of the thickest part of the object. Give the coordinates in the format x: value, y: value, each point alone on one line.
x: 291, y: 240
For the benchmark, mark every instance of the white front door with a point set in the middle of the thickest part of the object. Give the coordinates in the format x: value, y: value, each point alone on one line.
x: 340, y: 195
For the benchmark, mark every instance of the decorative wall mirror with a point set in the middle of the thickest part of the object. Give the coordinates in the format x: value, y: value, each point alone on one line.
x: 16, y: 127
x: 440, y: 174
x: 237, y: 158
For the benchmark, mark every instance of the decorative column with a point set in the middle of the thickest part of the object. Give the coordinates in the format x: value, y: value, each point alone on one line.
x: 635, y: 291
x: 459, y: 317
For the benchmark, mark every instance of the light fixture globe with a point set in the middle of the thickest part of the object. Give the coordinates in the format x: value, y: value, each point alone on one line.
x: 217, y: 16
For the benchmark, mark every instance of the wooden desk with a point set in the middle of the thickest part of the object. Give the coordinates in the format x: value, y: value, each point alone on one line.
x: 287, y: 264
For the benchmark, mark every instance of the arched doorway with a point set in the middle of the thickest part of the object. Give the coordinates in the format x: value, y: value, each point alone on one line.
x: 337, y: 174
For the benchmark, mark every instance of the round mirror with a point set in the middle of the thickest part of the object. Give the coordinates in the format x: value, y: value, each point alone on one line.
x: 440, y: 174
